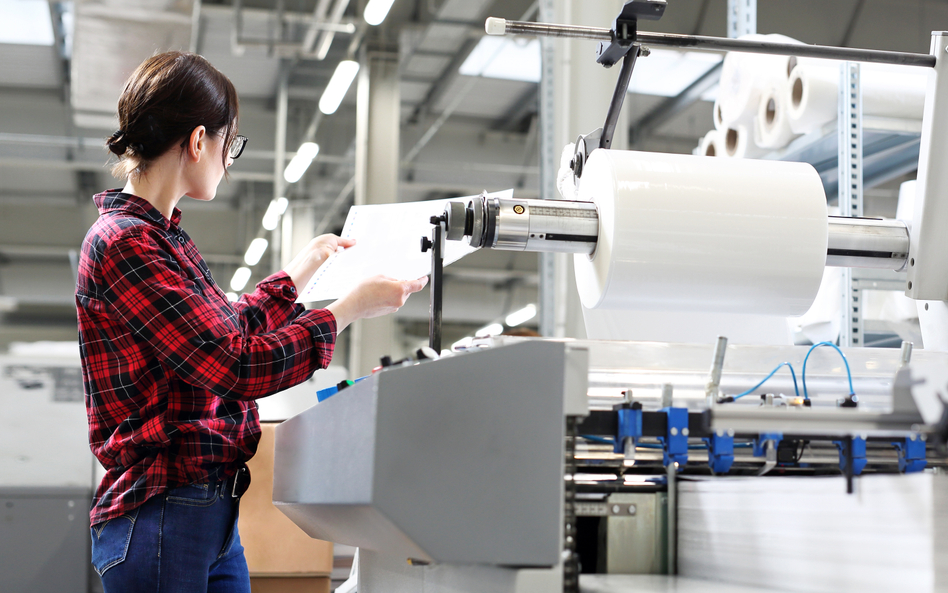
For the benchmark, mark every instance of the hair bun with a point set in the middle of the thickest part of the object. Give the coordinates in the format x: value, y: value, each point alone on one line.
x: 118, y: 142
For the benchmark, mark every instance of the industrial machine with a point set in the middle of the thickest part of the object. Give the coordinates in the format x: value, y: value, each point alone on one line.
x: 545, y: 465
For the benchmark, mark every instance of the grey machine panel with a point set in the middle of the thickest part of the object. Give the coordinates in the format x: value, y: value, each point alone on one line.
x: 44, y: 540
x: 454, y: 460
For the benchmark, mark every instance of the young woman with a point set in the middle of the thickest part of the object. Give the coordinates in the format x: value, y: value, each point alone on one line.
x: 171, y: 367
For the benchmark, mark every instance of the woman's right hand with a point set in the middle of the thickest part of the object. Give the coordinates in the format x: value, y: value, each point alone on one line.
x: 374, y: 297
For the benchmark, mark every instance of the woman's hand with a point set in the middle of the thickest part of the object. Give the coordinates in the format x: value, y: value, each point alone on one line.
x: 307, y: 261
x: 374, y: 297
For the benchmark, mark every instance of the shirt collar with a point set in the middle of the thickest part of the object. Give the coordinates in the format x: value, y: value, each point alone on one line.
x: 114, y: 200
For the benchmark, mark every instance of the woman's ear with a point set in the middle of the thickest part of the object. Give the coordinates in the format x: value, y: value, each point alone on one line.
x: 197, y: 143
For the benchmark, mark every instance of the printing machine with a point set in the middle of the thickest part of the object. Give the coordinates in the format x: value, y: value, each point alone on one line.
x: 518, y: 463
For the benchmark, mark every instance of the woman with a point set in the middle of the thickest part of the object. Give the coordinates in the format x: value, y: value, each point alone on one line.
x: 170, y: 366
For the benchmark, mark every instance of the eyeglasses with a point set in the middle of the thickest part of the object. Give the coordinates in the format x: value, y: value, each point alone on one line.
x: 237, y: 146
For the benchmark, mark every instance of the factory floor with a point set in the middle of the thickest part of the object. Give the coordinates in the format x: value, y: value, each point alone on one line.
x: 648, y: 583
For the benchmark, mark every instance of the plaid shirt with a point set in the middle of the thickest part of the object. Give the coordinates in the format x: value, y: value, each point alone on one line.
x: 170, y: 366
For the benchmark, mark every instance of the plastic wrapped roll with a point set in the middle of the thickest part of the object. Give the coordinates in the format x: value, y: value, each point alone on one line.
x: 887, y: 91
x: 744, y: 76
x: 685, y: 233
x: 773, y: 118
x: 739, y: 143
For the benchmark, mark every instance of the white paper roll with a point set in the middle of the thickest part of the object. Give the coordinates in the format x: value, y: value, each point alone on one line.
x: 686, y: 233
x: 712, y: 144
x: 773, y: 117
x: 739, y: 143
x: 744, y: 76
x: 887, y: 91
x: 718, y: 115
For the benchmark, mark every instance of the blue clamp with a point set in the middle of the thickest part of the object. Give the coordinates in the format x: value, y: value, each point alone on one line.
x: 859, y: 454
x: 760, y: 443
x: 675, y: 441
x: 911, y: 454
x: 324, y: 394
x: 720, y: 452
x: 630, y: 426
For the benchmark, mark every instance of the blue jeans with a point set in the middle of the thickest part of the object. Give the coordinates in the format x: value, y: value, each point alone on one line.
x: 184, y: 540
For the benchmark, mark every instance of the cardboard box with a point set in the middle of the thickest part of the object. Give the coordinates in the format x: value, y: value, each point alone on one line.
x: 289, y: 585
x: 274, y: 545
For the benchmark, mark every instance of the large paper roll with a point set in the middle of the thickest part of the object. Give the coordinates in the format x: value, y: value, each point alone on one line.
x: 739, y: 143
x: 773, y: 121
x: 713, y: 144
x: 887, y: 91
x: 744, y: 76
x: 687, y: 233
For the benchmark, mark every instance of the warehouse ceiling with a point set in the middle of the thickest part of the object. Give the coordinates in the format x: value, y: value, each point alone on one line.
x: 460, y: 133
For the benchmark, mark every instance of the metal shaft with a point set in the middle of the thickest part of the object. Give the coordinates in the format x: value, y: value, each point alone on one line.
x: 722, y: 44
x: 867, y: 243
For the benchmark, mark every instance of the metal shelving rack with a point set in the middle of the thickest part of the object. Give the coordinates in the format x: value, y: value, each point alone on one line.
x: 873, y: 150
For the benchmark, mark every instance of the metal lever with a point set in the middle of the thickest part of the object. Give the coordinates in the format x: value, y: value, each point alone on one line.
x: 436, y: 245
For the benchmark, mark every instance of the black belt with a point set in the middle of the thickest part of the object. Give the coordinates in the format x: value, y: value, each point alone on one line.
x: 237, y: 484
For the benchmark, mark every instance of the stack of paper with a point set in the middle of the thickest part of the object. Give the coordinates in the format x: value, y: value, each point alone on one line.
x: 807, y: 534
x: 388, y: 242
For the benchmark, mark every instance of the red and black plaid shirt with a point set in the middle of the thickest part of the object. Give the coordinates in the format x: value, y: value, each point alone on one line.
x: 170, y: 366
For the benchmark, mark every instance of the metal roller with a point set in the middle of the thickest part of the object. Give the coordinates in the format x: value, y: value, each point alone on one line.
x: 573, y: 227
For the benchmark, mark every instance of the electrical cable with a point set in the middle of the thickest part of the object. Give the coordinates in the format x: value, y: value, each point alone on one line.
x: 845, y: 362
x: 765, y: 379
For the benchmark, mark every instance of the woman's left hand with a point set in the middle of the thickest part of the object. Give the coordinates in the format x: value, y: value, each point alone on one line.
x: 315, y: 254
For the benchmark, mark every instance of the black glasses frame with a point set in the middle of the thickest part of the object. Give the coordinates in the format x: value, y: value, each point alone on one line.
x: 237, y: 146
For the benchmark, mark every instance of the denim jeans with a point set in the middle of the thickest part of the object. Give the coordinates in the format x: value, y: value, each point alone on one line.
x: 184, y: 540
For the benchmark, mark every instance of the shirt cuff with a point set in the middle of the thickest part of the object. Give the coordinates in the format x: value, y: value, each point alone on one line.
x: 321, y: 324
x: 279, y: 286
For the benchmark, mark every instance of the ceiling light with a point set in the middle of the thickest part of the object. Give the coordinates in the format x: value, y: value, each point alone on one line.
x: 504, y: 57
x: 274, y: 211
x: 491, y: 330
x: 665, y: 72
x: 668, y: 72
x: 255, y: 251
x: 521, y: 316
x: 376, y: 11
x: 300, y: 162
x: 338, y: 86
x: 240, y: 279
x: 26, y: 22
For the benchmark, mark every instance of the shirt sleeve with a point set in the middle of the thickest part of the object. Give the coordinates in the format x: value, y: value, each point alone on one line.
x: 270, y: 306
x: 156, y: 300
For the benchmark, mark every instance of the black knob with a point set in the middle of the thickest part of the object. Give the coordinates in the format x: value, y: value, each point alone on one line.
x: 386, y: 361
x: 426, y: 244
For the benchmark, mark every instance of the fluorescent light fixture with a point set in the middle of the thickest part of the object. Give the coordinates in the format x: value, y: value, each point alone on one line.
x: 491, y: 330
x: 232, y: 296
x: 240, y: 279
x: 667, y: 72
x: 338, y: 86
x: 521, y: 316
x: 300, y: 162
x: 504, y: 57
x: 376, y: 11
x: 26, y: 22
x: 274, y: 211
x: 255, y: 251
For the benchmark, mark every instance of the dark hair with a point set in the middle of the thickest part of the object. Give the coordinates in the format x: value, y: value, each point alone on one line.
x: 166, y: 97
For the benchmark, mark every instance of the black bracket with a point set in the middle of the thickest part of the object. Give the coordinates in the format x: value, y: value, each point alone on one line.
x: 625, y: 29
x: 436, y: 245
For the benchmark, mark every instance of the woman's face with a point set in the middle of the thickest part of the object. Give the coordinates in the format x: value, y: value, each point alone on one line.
x: 205, y: 175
